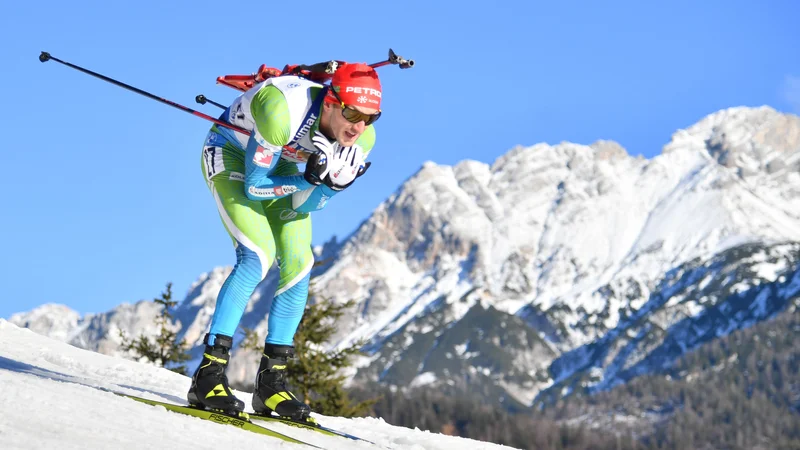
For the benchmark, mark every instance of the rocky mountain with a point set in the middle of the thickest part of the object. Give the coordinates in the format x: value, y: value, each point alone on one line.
x: 555, y: 269
x: 695, y: 303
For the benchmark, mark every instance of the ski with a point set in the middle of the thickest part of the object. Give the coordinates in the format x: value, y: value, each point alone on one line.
x: 242, y: 422
x: 308, y: 426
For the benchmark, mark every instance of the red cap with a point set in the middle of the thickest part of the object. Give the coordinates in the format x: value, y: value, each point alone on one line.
x: 356, y: 84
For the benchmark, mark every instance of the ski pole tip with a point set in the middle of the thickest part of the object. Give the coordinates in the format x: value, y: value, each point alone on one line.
x: 44, y: 57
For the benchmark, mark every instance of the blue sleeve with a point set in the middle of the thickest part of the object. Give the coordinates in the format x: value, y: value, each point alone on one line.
x: 312, y: 199
x: 260, y: 161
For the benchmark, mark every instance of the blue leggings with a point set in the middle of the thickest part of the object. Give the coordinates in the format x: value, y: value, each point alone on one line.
x: 261, y: 231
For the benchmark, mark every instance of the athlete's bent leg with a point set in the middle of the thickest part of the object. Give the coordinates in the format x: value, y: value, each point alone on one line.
x: 292, y: 232
x: 248, y: 227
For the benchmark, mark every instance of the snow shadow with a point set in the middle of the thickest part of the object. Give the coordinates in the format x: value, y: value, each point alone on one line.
x: 21, y: 367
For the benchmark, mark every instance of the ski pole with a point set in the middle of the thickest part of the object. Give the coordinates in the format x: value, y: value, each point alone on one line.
x: 44, y: 57
x: 202, y: 99
x: 395, y: 59
x: 328, y: 68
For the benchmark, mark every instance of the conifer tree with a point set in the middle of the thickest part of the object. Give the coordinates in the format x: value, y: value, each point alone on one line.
x: 314, y: 374
x: 318, y: 374
x: 164, y: 349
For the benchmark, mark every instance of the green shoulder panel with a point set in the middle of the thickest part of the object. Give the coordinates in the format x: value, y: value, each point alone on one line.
x: 271, y: 115
x: 367, y: 140
x: 270, y: 112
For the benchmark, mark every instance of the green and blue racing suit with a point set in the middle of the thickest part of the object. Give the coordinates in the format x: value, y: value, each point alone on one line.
x: 264, y: 201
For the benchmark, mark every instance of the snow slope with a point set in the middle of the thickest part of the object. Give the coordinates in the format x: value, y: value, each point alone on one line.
x: 51, y: 400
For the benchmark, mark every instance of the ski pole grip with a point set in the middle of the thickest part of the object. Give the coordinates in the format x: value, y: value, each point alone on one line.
x: 394, y: 58
x: 44, y: 57
x: 200, y: 99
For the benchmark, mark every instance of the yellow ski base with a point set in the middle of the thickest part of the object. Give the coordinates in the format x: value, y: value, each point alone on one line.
x: 241, y: 421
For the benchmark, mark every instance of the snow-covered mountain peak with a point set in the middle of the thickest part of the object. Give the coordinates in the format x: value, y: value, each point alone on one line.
x: 53, y: 320
x: 46, y: 310
x: 203, y: 292
x: 430, y: 214
x: 752, y: 140
x: 479, y: 171
x: 549, y: 222
x: 609, y: 149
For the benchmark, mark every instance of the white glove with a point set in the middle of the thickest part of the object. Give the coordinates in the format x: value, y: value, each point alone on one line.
x: 319, y: 165
x: 346, y: 164
x: 323, y: 144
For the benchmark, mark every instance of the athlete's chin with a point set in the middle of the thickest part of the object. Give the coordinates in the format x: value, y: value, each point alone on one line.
x: 347, y: 141
x: 347, y: 138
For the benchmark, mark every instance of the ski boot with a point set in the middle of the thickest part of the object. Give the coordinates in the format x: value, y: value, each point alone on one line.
x: 270, y: 393
x: 210, y: 388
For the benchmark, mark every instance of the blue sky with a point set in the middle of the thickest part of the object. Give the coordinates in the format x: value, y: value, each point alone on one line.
x: 104, y: 198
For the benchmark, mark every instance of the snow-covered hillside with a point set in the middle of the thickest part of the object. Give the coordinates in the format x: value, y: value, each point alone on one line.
x: 51, y: 399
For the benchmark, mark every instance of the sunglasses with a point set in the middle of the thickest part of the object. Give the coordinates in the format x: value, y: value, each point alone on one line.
x: 353, y: 115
